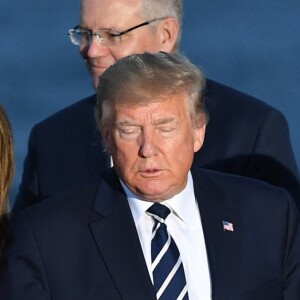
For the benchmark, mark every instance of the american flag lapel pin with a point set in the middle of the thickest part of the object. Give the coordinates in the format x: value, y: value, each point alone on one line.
x: 227, y: 226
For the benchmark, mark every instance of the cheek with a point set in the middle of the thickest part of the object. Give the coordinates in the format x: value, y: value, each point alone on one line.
x: 120, y: 53
x: 125, y: 164
x: 125, y: 152
x: 123, y: 50
x: 135, y: 47
x: 183, y: 151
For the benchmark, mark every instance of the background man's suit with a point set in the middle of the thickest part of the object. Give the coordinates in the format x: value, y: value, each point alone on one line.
x: 84, y: 244
x: 244, y: 136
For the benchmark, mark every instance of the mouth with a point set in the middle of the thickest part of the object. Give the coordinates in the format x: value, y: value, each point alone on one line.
x: 97, y: 67
x: 151, y: 172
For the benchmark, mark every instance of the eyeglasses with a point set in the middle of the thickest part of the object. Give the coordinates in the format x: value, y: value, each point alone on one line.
x: 106, y: 37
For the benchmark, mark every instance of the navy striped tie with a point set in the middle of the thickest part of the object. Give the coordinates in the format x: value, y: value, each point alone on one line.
x: 168, y: 273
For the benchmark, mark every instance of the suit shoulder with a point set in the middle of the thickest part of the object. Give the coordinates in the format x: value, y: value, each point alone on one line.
x: 74, y: 113
x: 240, y: 187
x: 74, y: 203
x: 224, y: 96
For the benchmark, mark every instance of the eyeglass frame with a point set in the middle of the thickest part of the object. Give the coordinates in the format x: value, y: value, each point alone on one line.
x: 117, y: 34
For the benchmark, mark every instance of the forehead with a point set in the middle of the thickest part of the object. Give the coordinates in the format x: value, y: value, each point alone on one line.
x: 107, y: 13
x: 171, y: 107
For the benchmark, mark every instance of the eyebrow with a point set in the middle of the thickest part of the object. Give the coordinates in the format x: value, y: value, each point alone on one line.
x: 99, y: 29
x: 163, y: 121
x: 160, y: 121
x: 126, y: 123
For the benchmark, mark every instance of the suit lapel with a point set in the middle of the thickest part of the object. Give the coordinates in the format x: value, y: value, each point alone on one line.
x: 223, y: 247
x: 117, y: 240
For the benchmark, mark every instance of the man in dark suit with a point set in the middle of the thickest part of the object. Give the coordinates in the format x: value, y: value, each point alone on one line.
x: 225, y: 236
x: 245, y: 136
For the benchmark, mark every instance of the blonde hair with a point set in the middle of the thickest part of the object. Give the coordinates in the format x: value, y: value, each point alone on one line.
x: 6, y: 170
x: 151, y: 77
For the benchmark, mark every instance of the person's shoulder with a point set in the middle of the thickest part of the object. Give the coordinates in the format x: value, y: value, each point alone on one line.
x: 73, y: 207
x: 80, y: 110
x: 220, y: 95
x: 241, y: 188
x: 73, y: 204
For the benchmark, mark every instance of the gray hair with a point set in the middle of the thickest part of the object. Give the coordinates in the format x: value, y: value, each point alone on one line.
x: 153, y: 9
x: 151, y: 77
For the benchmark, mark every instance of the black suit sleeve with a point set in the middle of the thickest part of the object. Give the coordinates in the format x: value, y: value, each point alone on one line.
x: 22, y: 275
x: 292, y: 255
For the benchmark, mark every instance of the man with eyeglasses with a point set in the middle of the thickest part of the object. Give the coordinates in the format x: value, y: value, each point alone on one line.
x: 244, y: 136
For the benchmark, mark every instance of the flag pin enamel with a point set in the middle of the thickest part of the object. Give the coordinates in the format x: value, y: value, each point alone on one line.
x: 227, y: 226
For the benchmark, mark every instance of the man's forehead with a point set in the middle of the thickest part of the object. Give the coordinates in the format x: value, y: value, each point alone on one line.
x: 109, y: 14
x: 112, y: 2
x: 110, y: 7
x: 162, y: 110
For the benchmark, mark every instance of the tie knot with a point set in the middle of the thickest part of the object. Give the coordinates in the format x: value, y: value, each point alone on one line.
x: 159, y: 210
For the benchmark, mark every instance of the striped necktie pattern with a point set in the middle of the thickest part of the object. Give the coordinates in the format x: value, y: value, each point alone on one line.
x: 167, y: 268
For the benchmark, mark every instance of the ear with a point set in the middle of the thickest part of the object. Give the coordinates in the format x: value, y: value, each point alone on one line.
x: 106, y: 141
x: 168, y: 30
x: 199, y: 134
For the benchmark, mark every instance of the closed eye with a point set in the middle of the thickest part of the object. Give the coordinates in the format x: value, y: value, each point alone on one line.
x: 166, y: 129
x: 128, y: 132
x: 112, y: 36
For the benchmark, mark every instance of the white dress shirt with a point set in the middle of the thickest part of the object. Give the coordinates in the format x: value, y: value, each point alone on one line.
x: 184, y: 225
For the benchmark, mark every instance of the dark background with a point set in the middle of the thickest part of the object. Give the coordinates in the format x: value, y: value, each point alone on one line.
x: 253, y: 46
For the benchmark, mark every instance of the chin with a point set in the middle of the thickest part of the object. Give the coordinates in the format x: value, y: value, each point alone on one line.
x: 155, y: 194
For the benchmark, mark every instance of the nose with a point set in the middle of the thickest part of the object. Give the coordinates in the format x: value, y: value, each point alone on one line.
x: 94, y: 49
x: 148, y: 144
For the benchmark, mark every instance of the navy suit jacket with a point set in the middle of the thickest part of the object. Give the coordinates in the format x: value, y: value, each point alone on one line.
x: 244, y: 136
x: 84, y: 245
